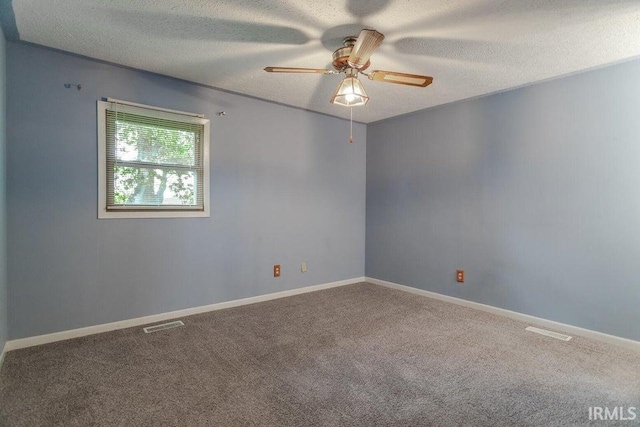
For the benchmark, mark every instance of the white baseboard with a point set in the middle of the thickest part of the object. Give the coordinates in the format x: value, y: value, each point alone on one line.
x: 91, y: 330
x: 575, y: 330
x: 106, y: 327
x: 4, y: 350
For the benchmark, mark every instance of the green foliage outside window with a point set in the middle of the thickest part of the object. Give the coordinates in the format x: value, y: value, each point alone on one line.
x: 155, y: 163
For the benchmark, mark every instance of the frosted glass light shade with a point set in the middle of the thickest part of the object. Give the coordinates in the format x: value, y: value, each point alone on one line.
x: 350, y: 93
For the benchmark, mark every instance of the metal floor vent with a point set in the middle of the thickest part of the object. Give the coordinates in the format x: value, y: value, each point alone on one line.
x: 162, y: 327
x: 548, y: 333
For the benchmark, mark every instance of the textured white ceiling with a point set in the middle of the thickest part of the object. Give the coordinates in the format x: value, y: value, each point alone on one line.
x: 470, y: 47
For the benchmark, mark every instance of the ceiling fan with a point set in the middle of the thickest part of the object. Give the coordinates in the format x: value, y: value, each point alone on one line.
x: 353, y: 59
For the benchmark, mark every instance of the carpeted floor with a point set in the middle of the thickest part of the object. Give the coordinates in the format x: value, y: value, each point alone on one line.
x: 358, y: 355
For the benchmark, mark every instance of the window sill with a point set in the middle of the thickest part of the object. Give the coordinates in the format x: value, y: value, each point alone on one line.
x: 104, y: 214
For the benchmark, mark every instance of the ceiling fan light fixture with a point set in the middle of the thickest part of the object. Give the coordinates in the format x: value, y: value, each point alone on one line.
x: 350, y: 93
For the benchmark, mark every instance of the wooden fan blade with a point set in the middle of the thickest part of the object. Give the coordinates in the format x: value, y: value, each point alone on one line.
x: 297, y: 70
x: 401, y: 78
x: 367, y: 42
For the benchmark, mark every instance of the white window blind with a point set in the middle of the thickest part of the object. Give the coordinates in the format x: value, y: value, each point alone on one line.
x: 154, y: 161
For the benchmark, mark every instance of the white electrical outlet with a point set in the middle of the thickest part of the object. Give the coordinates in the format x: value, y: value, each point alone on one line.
x: 303, y: 267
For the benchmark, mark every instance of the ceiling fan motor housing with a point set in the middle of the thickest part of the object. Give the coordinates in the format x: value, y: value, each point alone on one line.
x: 341, y: 55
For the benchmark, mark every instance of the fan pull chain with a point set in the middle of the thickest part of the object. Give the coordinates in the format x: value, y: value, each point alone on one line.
x: 351, y: 126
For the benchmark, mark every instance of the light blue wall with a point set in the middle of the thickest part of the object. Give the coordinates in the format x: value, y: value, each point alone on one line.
x: 286, y: 187
x: 3, y: 239
x: 533, y: 192
x: 530, y: 191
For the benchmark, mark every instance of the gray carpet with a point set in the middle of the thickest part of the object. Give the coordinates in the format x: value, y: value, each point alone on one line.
x: 359, y: 355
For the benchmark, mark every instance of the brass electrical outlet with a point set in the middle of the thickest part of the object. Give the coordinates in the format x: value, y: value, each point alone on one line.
x: 460, y: 276
x: 276, y: 270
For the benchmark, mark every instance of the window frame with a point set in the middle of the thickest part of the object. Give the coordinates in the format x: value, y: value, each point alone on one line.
x: 141, y: 212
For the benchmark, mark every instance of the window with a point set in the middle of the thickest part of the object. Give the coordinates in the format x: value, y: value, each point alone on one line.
x: 153, y: 163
